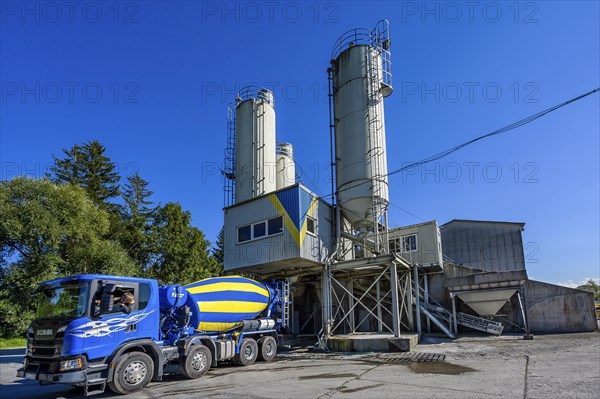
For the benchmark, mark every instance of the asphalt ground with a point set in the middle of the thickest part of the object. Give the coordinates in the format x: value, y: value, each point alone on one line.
x: 550, y: 366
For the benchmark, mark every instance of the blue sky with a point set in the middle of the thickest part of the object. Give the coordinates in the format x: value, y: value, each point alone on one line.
x: 151, y: 80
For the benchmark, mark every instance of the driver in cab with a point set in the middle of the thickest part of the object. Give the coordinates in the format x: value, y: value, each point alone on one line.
x: 126, y: 302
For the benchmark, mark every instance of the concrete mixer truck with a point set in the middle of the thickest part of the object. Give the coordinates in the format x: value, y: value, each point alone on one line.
x: 95, y: 331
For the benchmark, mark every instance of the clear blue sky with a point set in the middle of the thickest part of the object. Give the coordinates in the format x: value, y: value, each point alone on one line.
x: 151, y: 81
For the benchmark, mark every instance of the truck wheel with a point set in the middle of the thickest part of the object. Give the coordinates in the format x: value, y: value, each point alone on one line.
x: 197, y: 362
x: 248, y: 352
x: 267, y: 348
x: 133, y: 371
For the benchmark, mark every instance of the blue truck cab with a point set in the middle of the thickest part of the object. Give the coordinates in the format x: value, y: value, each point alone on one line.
x: 86, y: 335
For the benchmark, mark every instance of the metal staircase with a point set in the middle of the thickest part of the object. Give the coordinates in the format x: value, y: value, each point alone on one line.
x: 480, y: 323
x: 443, y: 318
x: 434, y: 311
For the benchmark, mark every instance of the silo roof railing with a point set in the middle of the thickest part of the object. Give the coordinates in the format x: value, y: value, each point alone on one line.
x: 378, y: 37
x: 353, y: 37
x: 255, y: 92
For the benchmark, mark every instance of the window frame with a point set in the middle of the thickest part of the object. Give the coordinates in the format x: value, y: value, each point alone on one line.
x: 238, y: 234
x: 265, y: 227
x: 416, y: 242
x: 314, y: 221
x: 267, y: 234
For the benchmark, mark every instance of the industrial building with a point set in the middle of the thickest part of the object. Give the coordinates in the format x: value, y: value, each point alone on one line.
x: 350, y: 273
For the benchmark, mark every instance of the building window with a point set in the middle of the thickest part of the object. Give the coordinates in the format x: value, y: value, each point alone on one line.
x: 275, y: 225
x: 311, y: 225
x: 409, y: 243
x: 404, y: 244
x: 244, y: 233
x: 259, y: 230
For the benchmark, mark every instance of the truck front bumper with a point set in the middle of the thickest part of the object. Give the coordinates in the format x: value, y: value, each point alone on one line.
x: 70, y: 377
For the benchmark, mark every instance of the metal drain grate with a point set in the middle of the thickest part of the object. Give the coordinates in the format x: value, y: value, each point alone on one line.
x: 415, y: 357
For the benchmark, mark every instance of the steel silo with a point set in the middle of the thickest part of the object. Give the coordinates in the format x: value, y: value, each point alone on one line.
x: 286, y: 168
x: 254, y: 144
x: 361, y: 75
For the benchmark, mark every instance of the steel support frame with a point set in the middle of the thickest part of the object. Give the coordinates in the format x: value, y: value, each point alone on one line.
x: 343, y: 294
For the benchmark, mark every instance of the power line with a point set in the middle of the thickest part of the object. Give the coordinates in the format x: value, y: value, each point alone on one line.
x: 407, y: 212
x: 504, y: 129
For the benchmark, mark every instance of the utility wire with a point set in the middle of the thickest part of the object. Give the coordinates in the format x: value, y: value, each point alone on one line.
x: 407, y: 212
x: 504, y: 129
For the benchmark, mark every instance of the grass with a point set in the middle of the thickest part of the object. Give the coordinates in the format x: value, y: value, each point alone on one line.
x: 12, y: 343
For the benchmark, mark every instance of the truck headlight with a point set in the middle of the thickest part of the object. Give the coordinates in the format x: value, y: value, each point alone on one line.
x: 72, y: 364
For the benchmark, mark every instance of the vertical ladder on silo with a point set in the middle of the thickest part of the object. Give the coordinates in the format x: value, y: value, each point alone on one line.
x: 374, y: 123
x: 229, y: 167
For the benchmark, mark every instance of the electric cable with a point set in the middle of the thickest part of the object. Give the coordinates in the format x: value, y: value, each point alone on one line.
x: 501, y: 130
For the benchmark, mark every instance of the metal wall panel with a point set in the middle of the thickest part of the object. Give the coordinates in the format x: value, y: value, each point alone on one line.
x: 489, y: 246
x: 294, y: 204
x: 429, y: 247
x: 318, y: 247
x: 260, y: 251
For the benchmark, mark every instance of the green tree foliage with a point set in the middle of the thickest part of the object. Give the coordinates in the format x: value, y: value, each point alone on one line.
x: 180, y: 251
x: 135, y: 235
x: 592, y: 287
x: 49, y: 230
x: 87, y: 166
x: 218, y: 249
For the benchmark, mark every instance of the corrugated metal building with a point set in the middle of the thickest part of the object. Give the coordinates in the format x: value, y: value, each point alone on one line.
x: 486, y: 245
x: 277, y: 232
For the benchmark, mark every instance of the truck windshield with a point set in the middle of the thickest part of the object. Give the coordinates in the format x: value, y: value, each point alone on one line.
x: 68, y: 301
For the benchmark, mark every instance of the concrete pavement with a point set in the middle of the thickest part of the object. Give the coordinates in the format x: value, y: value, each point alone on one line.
x: 566, y: 366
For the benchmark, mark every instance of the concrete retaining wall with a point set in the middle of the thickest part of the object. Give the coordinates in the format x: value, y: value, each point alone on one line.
x: 556, y: 309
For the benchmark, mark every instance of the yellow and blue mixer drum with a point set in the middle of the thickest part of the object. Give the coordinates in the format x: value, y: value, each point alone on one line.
x: 221, y: 303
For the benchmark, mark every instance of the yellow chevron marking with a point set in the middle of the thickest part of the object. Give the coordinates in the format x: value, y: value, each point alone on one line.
x: 227, y: 286
x: 289, y: 224
x: 217, y: 326
x: 231, y: 307
x: 310, y: 212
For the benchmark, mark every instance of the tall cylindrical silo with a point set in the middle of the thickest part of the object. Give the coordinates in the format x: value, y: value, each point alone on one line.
x: 255, y: 160
x: 286, y: 168
x: 361, y: 79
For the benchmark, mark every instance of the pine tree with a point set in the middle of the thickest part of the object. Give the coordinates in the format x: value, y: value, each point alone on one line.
x: 218, y: 249
x: 135, y: 234
x: 87, y: 166
x: 136, y: 196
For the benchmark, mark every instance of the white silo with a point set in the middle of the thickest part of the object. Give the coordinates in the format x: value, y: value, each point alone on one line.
x: 254, y: 144
x: 361, y: 74
x: 286, y: 168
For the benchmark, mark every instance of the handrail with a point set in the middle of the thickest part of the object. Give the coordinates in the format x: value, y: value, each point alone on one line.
x: 255, y: 92
x: 378, y: 38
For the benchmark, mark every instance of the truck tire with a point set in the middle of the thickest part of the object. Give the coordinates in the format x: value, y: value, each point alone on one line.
x: 267, y: 348
x: 197, y: 362
x: 133, y: 371
x: 248, y: 352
